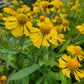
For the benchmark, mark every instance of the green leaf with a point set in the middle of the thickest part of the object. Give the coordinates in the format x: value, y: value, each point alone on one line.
x: 24, y: 72
x: 39, y: 81
x: 4, y: 44
x: 69, y: 81
x: 8, y: 58
x: 8, y: 51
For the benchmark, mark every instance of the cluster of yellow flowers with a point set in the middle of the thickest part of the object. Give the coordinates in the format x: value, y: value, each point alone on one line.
x: 72, y: 62
x: 43, y: 29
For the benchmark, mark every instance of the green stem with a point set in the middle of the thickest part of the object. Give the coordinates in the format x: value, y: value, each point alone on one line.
x: 75, y: 37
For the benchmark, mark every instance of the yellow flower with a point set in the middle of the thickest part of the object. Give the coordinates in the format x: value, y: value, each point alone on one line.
x: 43, y: 19
x: 21, y: 2
x: 65, y: 25
x: 5, y: 2
x: 76, y: 50
x: 69, y: 64
x: 18, y: 24
x: 3, y: 79
x: 80, y: 28
x: 15, y: 2
x: 41, y: 36
x: 56, y: 19
x: 12, y: 6
x: 1, y: 15
x: 63, y: 16
x: 45, y: 33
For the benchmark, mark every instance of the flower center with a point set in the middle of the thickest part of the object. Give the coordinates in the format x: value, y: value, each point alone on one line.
x: 41, y: 18
x: 77, y: 50
x: 73, y: 64
x: 57, y: 7
x: 45, y: 29
x: 22, y: 18
x: 57, y: 18
x: 65, y: 23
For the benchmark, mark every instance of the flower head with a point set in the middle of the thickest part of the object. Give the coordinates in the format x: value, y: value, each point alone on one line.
x: 70, y: 64
x: 65, y: 25
x: 18, y: 24
x: 76, y: 50
x: 80, y: 28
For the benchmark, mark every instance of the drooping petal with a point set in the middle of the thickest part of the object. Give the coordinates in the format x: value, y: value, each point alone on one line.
x: 29, y: 25
x: 80, y: 57
x: 66, y: 72
x: 10, y: 25
x: 26, y: 32
x: 62, y: 64
x: 76, y: 76
x: 45, y: 42
x: 38, y: 41
x: 11, y: 18
x: 66, y: 58
x: 81, y: 75
x: 18, y: 31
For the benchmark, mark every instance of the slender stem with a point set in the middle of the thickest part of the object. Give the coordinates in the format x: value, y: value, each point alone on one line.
x: 75, y: 37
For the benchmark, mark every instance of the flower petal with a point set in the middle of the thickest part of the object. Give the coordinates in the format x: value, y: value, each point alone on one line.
x: 76, y: 76
x: 66, y: 72
x: 11, y: 18
x: 26, y: 32
x: 62, y: 64
x: 18, y: 31
x: 81, y: 75
x: 10, y: 25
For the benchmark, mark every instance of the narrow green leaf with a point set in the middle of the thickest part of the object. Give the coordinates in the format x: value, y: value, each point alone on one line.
x: 39, y: 81
x: 24, y: 72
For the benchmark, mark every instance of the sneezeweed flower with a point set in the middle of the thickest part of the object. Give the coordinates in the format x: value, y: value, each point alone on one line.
x: 56, y: 19
x: 12, y: 7
x: 18, y: 24
x: 59, y: 37
x: 5, y: 2
x: 63, y: 16
x: 21, y: 2
x: 3, y: 79
x: 24, y: 9
x: 80, y: 28
x: 45, y: 33
x: 15, y: 2
x: 69, y: 64
x: 76, y: 50
x: 1, y: 15
x: 65, y: 25
x: 40, y: 35
x: 43, y: 19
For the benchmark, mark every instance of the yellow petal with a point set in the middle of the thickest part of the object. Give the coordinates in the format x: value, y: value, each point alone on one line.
x: 18, y: 31
x: 66, y: 72
x: 45, y: 42
x: 62, y: 64
x: 38, y: 41
x: 10, y: 25
x: 80, y: 57
x: 81, y: 75
x: 76, y: 76
x: 29, y: 25
x: 26, y: 32
x: 66, y: 58
x: 11, y: 18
